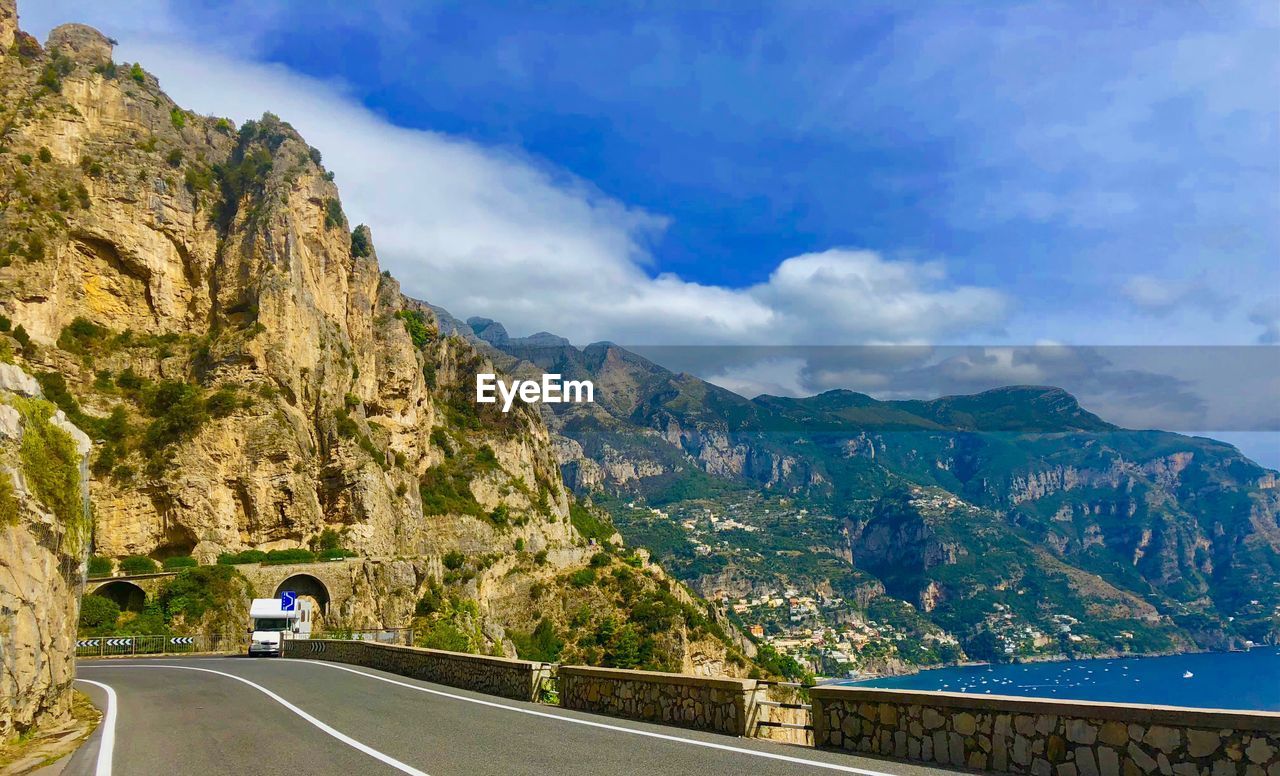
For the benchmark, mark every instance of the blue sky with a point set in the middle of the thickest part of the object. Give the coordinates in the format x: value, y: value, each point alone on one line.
x: 1053, y: 151
x: 784, y: 174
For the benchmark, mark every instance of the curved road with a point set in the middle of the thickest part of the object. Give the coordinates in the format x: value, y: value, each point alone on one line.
x: 236, y: 715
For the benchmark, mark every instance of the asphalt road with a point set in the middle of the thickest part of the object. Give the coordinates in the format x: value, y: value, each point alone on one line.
x: 240, y: 715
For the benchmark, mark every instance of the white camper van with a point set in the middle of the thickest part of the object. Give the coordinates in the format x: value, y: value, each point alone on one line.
x: 271, y: 623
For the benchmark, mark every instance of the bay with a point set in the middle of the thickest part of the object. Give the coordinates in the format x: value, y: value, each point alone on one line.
x: 1217, y: 680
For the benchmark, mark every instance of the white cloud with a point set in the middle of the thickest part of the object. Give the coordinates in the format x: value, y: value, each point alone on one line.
x: 1159, y: 296
x: 490, y: 231
x: 1267, y: 315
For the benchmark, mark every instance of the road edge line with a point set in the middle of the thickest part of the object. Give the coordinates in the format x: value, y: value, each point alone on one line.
x: 107, y: 741
x: 605, y: 725
x: 322, y: 726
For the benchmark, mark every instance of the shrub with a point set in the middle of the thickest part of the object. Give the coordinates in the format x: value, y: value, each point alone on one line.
x: 91, y: 167
x: 54, y: 71
x: 198, y: 178
x: 600, y: 560
x: 333, y: 215
x: 447, y: 636
x: 179, y: 562
x: 178, y: 117
x: 588, y: 524
x: 197, y: 590
x: 45, y: 154
x: 295, y: 555
x: 244, y: 556
x: 83, y: 337
x: 174, y: 159
x: 98, y: 613
x: 543, y: 644
x: 500, y: 515
x: 222, y: 402
x: 582, y: 577
x: 100, y: 566
x: 486, y: 458
x: 519, y: 544
x: 178, y: 413
x: 51, y: 463
x: 136, y: 73
x: 8, y: 500
x: 416, y: 325
x: 129, y: 380
x: 432, y: 601
x: 361, y: 242
x: 24, y: 339
x: 329, y: 539
x: 138, y: 564
x: 454, y: 559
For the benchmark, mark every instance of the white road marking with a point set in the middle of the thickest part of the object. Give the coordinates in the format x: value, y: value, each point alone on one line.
x: 604, y: 725
x: 343, y: 737
x: 107, y: 742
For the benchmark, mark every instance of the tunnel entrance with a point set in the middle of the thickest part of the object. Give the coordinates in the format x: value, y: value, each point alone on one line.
x: 307, y: 586
x: 128, y: 596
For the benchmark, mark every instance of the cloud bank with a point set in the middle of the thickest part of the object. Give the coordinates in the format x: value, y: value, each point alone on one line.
x: 492, y: 231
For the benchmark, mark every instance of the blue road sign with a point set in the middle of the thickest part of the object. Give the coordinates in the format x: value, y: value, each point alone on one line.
x: 288, y: 599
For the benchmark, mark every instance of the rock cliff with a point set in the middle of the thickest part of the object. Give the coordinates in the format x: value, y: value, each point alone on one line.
x: 191, y: 294
x: 44, y: 539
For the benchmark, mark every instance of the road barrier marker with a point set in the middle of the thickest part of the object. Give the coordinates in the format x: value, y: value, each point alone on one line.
x: 334, y: 732
x: 107, y: 743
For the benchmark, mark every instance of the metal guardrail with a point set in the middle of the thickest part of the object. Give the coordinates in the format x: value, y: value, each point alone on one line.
x: 804, y: 707
x: 115, y: 646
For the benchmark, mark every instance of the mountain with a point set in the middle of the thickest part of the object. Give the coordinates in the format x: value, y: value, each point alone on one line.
x: 191, y: 295
x: 1014, y: 513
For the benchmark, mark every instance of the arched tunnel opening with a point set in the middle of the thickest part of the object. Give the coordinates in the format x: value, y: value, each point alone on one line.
x: 128, y: 596
x: 308, y: 587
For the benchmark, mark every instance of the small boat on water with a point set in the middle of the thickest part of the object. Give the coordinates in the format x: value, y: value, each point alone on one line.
x: 1187, y: 675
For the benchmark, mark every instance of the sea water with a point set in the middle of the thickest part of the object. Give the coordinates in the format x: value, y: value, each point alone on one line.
x: 1212, y: 680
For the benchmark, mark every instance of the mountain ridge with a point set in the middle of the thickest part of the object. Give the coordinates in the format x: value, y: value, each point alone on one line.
x: 1152, y: 521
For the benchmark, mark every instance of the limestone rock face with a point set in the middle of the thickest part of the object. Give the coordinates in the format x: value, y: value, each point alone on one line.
x: 8, y: 22
x: 191, y: 293
x: 158, y: 249
x: 43, y: 544
x: 81, y: 43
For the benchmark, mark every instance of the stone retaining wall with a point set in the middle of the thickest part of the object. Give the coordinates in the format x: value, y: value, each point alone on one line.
x: 718, y: 705
x: 518, y: 679
x: 1046, y: 738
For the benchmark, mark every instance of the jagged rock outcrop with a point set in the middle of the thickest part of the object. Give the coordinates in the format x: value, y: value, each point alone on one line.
x: 197, y: 258
x: 191, y: 293
x: 8, y: 22
x: 44, y: 539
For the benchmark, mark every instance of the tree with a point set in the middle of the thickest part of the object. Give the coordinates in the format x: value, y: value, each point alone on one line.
x: 986, y: 646
x: 98, y: 613
x: 138, y: 564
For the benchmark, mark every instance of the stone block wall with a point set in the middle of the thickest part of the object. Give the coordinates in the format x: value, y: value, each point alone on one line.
x: 517, y: 679
x: 718, y: 705
x: 1046, y: 738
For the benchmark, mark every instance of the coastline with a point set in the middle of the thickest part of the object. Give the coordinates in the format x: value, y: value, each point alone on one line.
x: 1201, y: 679
x: 913, y: 670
